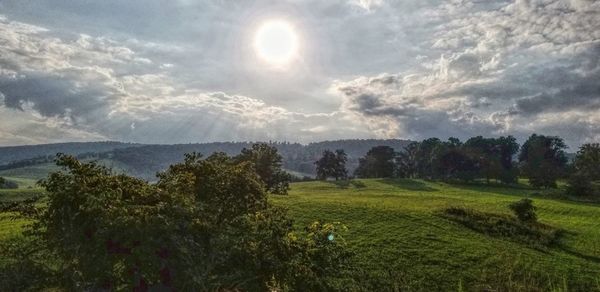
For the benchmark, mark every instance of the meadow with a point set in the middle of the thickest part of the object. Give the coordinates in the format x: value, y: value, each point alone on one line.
x: 402, y: 241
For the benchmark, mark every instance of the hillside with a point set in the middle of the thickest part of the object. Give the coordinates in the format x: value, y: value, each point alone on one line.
x: 402, y: 240
x: 15, y: 153
x: 146, y: 160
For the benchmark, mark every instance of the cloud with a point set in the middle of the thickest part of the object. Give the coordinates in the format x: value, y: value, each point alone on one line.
x: 152, y: 71
x: 97, y: 88
x: 504, y: 69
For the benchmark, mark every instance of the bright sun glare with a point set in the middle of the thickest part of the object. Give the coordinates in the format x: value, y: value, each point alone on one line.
x: 276, y: 42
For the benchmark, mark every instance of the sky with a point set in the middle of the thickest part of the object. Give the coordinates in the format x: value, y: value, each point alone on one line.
x: 186, y: 71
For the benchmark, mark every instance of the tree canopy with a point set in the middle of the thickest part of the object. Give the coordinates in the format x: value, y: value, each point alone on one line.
x: 379, y: 162
x: 332, y: 165
x: 543, y: 160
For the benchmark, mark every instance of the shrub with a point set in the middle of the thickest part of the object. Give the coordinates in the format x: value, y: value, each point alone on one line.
x: 206, y: 225
x: 524, y: 210
x: 534, y: 234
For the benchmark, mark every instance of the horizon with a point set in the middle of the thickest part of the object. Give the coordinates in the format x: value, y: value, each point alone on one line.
x: 180, y: 72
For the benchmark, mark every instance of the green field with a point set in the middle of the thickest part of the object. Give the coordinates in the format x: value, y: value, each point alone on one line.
x: 402, y: 241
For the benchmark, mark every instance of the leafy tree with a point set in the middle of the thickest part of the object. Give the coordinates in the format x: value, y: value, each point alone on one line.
x: 379, y: 162
x: 267, y: 163
x: 205, y: 225
x: 543, y: 160
x: 586, y: 171
x: 406, y: 161
x: 524, y: 210
x: 332, y: 165
x: 450, y: 161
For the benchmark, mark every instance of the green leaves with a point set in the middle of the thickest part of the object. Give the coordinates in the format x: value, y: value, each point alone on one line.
x: 205, y: 225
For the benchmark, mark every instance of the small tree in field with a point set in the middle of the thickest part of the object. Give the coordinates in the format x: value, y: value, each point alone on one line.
x: 332, y: 165
x: 524, y: 210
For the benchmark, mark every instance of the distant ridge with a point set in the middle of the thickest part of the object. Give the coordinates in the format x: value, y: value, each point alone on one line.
x: 15, y: 153
x: 144, y: 160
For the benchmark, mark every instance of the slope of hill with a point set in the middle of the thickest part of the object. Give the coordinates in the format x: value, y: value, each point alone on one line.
x: 146, y: 160
x: 402, y: 240
x: 16, y: 153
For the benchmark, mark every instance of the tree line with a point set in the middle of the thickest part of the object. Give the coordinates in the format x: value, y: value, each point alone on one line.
x: 541, y: 159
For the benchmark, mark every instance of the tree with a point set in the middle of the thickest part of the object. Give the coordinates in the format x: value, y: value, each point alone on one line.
x: 2, y: 181
x: 586, y: 171
x: 205, y: 225
x: 267, y: 164
x: 379, y: 162
x: 406, y: 161
x: 332, y: 165
x: 543, y: 160
x: 494, y: 157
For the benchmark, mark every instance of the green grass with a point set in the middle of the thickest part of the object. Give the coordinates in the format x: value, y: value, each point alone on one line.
x: 34, y: 172
x: 401, y: 239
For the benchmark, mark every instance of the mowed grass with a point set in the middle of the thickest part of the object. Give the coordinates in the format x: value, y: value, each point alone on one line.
x: 402, y: 242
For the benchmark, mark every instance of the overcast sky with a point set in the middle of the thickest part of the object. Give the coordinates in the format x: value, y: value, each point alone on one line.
x: 179, y: 71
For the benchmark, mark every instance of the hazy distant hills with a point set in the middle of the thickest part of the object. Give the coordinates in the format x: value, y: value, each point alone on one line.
x: 145, y: 160
x: 16, y: 153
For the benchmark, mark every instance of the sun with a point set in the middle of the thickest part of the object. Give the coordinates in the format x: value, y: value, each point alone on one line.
x: 276, y: 42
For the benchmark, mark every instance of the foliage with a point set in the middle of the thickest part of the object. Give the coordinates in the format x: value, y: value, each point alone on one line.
x: 478, y: 157
x: 400, y: 244
x: 586, y: 171
x: 524, y: 210
x: 267, y: 164
x: 536, y: 235
x: 543, y: 160
x: 205, y: 225
x: 379, y: 162
x: 332, y: 165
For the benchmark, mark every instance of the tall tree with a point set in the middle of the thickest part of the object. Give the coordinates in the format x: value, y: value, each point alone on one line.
x: 543, y: 160
x: 379, y: 162
x: 332, y: 165
x: 586, y: 171
x: 494, y: 157
x: 267, y: 162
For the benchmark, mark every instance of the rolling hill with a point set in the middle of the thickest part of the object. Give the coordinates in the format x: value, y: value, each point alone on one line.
x: 145, y: 161
x: 403, y: 241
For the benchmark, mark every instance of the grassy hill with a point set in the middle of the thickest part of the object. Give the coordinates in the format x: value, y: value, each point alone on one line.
x: 402, y: 240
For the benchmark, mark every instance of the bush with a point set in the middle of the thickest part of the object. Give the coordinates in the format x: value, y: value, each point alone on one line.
x: 206, y: 225
x: 534, y: 234
x: 524, y: 210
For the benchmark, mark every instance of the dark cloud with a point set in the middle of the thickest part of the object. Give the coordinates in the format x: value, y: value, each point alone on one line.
x: 52, y: 95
